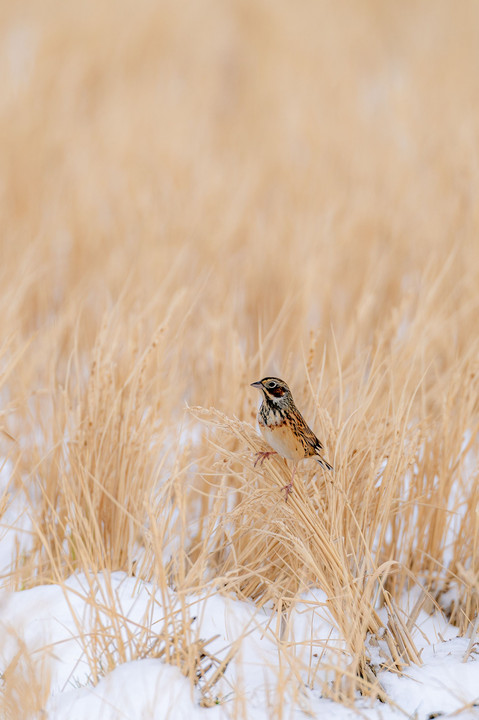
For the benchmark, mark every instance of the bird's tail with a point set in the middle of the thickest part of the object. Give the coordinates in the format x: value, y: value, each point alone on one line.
x: 324, y: 464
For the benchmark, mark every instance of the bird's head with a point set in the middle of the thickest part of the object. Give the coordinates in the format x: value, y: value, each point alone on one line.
x: 274, y: 390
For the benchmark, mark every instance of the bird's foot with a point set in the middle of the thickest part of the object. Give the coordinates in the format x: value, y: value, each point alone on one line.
x: 289, y: 489
x: 261, y: 456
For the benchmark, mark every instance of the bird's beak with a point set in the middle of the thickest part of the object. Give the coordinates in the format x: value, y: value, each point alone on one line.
x: 257, y: 384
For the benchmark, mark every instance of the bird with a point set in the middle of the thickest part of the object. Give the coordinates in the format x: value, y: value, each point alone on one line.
x: 284, y: 428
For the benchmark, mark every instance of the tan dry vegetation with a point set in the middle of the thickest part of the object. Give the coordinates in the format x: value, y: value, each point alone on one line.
x: 192, y: 196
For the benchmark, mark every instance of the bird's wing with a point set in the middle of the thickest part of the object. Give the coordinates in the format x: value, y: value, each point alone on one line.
x: 310, y: 439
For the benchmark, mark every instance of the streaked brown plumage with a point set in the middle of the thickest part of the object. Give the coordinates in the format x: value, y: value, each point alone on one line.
x: 284, y: 428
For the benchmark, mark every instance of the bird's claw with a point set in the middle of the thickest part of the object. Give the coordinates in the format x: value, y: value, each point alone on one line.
x: 289, y: 489
x: 261, y: 456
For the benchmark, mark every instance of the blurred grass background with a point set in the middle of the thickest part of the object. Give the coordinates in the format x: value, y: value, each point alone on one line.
x: 322, y: 154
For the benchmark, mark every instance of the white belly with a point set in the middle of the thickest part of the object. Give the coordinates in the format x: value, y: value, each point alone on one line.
x: 281, y: 439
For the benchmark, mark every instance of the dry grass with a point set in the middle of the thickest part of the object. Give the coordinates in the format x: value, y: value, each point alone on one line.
x: 195, y: 196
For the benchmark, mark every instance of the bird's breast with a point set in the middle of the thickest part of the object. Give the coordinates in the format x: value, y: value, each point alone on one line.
x: 279, y: 435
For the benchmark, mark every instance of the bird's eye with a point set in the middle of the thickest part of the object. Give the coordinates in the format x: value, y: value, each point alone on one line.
x: 272, y: 385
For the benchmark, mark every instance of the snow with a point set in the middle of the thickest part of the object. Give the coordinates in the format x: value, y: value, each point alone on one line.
x: 47, y: 619
x: 140, y: 689
x: 60, y: 628
x: 444, y: 684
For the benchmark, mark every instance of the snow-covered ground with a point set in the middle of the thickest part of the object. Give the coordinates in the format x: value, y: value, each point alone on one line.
x: 46, y: 619
x: 56, y: 628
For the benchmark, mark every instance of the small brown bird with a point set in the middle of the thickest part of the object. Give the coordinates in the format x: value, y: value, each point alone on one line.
x: 284, y: 428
